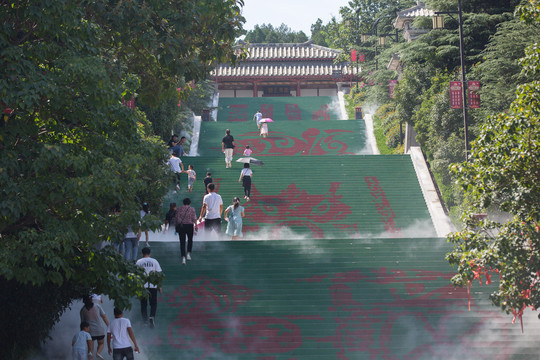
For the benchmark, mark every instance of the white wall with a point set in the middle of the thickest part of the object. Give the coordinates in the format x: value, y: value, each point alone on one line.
x: 226, y: 93
x: 244, y: 93
x: 308, y: 92
x: 239, y: 93
x: 328, y: 92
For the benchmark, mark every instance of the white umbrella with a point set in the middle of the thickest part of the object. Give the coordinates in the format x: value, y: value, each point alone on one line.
x: 250, y: 160
x: 266, y: 120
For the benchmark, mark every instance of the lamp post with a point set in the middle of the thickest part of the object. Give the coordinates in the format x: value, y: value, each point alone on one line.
x: 347, y: 22
x: 365, y: 39
x: 438, y: 23
x: 382, y: 39
x: 356, y: 41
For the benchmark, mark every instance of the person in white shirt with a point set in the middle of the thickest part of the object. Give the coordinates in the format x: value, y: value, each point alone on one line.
x: 149, y: 264
x: 264, y: 129
x: 177, y: 168
x: 245, y: 179
x: 213, y: 207
x: 120, y: 332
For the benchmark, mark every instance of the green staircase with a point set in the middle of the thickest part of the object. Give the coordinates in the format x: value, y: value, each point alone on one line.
x: 320, y: 196
x: 346, y: 264
x: 279, y: 108
x: 324, y: 299
x: 286, y: 138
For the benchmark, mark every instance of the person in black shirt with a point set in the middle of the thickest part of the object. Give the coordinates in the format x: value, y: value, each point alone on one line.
x: 207, y: 180
x: 173, y: 141
x: 227, y: 146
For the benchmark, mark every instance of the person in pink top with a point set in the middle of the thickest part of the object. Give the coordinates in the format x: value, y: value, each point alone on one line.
x: 247, y: 151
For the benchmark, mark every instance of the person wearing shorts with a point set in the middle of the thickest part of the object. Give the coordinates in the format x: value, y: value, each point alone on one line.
x: 94, y: 315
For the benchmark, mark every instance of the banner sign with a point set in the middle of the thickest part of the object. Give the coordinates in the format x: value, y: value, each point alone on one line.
x: 130, y: 103
x: 391, y: 85
x: 354, y: 57
x: 474, y: 96
x: 456, y: 99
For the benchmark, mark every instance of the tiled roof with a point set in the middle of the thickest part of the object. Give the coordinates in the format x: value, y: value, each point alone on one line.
x: 411, y: 13
x: 301, y: 51
x: 286, y: 60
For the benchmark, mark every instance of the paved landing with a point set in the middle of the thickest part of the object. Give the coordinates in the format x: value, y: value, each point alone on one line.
x: 324, y: 299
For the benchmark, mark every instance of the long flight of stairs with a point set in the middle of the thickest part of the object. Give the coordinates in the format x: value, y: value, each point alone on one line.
x: 339, y: 261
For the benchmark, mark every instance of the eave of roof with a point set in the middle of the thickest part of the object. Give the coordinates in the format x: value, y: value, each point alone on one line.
x: 289, y: 52
x: 289, y: 69
x: 412, y: 13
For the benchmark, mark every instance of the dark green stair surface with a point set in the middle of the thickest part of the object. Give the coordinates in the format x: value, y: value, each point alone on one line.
x: 279, y: 108
x: 287, y: 138
x: 324, y: 299
x: 320, y: 196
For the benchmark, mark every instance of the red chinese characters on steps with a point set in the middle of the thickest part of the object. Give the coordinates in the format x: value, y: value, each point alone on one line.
x: 382, y: 205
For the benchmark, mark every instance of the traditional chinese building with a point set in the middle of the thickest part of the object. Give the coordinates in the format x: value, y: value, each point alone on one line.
x: 406, y: 17
x: 302, y: 69
x: 404, y: 21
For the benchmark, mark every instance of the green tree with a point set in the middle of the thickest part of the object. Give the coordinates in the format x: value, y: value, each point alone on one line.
x: 422, y: 95
x: 499, y: 72
x: 476, y: 6
x: 171, y: 114
x: 503, y: 176
x: 266, y: 33
x: 257, y: 35
x: 317, y: 33
x: 71, y: 152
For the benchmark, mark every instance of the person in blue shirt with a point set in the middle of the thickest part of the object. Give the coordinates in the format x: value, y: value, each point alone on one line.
x: 82, y: 344
x: 257, y: 117
x: 177, y: 149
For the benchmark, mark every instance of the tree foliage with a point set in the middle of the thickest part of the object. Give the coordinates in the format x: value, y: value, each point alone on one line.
x: 503, y: 175
x: 172, y: 114
x: 499, y: 72
x: 318, y: 33
x: 266, y: 33
x: 430, y: 62
x: 475, y: 6
x: 71, y: 152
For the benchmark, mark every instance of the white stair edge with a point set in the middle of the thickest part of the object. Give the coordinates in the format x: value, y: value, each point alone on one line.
x: 441, y: 221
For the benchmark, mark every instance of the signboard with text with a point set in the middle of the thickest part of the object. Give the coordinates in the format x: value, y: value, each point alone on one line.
x: 473, y: 88
x: 456, y: 95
